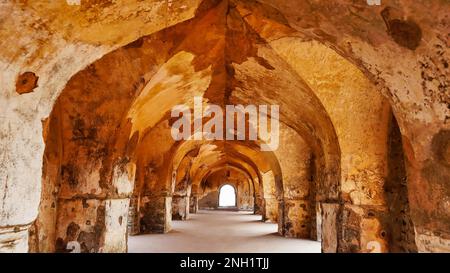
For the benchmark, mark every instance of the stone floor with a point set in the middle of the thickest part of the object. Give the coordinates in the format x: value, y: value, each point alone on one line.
x: 221, y: 231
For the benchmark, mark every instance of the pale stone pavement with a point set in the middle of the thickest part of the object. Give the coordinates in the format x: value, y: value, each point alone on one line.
x: 221, y: 231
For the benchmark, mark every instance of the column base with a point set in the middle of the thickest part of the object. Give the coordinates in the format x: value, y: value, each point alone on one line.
x: 14, y: 239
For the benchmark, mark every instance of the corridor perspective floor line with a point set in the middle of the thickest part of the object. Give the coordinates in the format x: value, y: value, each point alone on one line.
x: 221, y: 231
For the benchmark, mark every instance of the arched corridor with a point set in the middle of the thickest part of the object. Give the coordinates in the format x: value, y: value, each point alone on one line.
x: 225, y: 232
x: 328, y: 120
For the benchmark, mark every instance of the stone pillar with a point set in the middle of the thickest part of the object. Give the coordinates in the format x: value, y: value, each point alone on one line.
x: 258, y: 205
x: 329, y: 216
x: 354, y: 229
x: 92, y: 225
x: 364, y: 229
x: 43, y: 232
x: 116, y: 214
x: 14, y: 239
x: 193, y: 204
x: 155, y: 214
x: 133, y: 216
x: 294, y: 218
x: 180, y: 207
x: 316, y: 221
x: 270, y: 212
x: 20, y: 174
x: 95, y: 222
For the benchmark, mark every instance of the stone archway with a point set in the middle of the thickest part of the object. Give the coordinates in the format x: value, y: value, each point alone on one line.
x: 227, y: 196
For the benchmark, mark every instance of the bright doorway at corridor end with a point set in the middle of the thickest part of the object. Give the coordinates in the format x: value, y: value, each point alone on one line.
x: 227, y: 196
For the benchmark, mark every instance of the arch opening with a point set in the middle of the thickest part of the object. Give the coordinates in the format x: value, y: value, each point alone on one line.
x: 227, y: 196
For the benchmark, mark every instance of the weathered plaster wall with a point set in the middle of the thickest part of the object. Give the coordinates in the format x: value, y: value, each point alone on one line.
x: 270, y: 200
x: 361, y: 127
x: 401, y: 47
x: 56, y: 40
x: 398, y: 49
